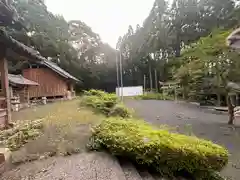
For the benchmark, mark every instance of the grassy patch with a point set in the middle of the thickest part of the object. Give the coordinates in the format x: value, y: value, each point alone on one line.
x: 168, y: 153
x: 66, y: 130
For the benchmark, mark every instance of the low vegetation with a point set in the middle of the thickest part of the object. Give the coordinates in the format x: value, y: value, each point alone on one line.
x: 168, y: 153
x: 21, y: 133
x: 105, y: 103
x: 63, y: 129
x: 155, y: 96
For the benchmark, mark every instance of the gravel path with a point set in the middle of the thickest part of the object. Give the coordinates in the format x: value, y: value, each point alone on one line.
x: 191, y: 119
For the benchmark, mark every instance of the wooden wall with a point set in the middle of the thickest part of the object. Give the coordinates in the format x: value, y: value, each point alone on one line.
x: 50, y: 83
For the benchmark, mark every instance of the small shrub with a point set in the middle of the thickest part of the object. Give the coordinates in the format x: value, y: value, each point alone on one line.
x: 155, y: 96
x: 105, y: 103
x: 167, y: 153
x: 21, y: 133
x: 93, y: 92
x: 121, y: 110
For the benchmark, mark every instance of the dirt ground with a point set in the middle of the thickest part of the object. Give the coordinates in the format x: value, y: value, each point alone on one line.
x: 193, y: 120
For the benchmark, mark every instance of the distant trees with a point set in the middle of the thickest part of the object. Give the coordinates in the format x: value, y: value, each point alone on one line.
x: 73, y: 45
x: 182, y: 41
x: 168, y: 30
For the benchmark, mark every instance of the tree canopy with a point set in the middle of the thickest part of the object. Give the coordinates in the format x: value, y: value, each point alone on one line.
x: 72, y: 45
x: 181, y: 41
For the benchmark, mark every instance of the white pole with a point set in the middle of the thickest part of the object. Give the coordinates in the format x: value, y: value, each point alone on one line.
x: 121, y: 74
x: 117, y: 69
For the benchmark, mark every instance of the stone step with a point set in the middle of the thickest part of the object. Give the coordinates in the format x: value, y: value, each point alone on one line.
x: 5, y: 160
x: 131, y: 173
x: 146, y: 175
x: 157, y: 177
x: 108, y: 168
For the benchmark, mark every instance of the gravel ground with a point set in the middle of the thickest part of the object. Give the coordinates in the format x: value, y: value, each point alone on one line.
x: 181, y: 117
x: 85, y: 166
x: 191, y: 119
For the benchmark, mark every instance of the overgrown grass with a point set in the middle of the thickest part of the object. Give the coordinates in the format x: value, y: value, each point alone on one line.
x: 105, y: 103
x: 65, y: 130
x: 22, y: 133
x: 61, y: 128
x: 168, y: 153
x: 154, y: 96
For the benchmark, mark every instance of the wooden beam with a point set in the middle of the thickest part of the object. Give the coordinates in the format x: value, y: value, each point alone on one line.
x: 5, y: 82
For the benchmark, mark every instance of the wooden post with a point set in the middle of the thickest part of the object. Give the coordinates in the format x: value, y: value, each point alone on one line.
x: 71, y: 87
x: 5, y: 82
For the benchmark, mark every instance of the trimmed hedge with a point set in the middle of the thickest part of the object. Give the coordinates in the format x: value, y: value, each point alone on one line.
x: 105, y: 103
x: 167, y: 153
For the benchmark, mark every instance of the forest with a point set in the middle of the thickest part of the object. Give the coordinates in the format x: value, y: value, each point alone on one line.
x: 182, y: 41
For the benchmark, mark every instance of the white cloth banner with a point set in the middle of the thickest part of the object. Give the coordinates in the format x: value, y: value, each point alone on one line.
x: 130, y: 91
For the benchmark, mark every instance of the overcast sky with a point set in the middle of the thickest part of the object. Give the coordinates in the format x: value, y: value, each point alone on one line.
x: 109, y: 18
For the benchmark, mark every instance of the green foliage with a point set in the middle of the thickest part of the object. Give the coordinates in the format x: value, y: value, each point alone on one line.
x: 168, y: 153
x: 144, y: 48
x: 94, y: 92
x: 155, y: 96
x: 21, y: 134
x: 105, y: 103
x: 120, y: 110
x: 207, y: 66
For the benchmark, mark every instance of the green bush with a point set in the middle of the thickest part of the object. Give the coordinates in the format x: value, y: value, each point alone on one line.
x: 167, y: 153
x: 105, y: 103
x: 155, y: 96
x: 120, y: 110
x: 20, y: 134
x: 94, y: 92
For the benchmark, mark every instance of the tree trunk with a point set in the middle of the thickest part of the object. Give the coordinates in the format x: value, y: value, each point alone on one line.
x: 5, y: 83
x: 177, y: 50
x: 178, y: 46
x: 218, y: 85
x: 150, y: 77
x: 230, y: 110
x: 218, y: 99
x: 156, y: 81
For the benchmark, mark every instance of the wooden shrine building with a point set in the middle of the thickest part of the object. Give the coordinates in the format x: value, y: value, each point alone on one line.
x: 10, y: 45
x: 54, y: 82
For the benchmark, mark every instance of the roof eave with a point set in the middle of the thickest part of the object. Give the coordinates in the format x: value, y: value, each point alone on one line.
x: 19, y: 48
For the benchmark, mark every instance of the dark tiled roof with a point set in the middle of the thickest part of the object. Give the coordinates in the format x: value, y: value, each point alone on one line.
x: 58, y: 70
x: 19, y: 48
x: 20, y: 80
x: 31, y: 54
